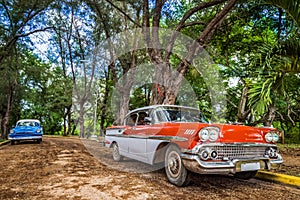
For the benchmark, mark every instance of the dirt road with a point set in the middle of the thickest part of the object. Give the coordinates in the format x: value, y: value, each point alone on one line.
x: 81, y: 169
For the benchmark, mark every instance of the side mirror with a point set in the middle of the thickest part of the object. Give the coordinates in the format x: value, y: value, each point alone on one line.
x: 147, y: 120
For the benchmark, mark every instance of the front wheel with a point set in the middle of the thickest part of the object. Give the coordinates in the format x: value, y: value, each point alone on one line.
x: 116, y: 153
x: 245, y: 175
x: 176, y: 172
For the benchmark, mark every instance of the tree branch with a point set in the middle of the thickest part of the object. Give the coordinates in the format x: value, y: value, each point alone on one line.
x: 196, y: 9
x: 182, y: 24
x: 110, y: 46
x: 146, y: 22
x: 14, y: 39
x: 215, y: 23
x: 35, y: 31
x: 289, y: 109
x: 193, y: 23
x: 125, y: 14
x: 8, y: 14
x: 205, y: 36
x: 155, y: 53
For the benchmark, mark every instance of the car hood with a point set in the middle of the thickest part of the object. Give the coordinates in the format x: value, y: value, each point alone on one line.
x: 241, y: 133
x: 25, y: 129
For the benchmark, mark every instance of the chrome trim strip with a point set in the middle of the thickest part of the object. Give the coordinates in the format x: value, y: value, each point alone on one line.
x: 153, y: 137
x: 221, y: 164
x: 195, y: 150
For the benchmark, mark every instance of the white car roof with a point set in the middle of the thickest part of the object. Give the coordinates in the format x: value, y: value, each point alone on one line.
x: 30, y: 120
x: 161, y: 105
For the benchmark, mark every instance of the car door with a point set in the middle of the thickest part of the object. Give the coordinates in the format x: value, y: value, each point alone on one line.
x: 138, y: 139
x: 124, y: 142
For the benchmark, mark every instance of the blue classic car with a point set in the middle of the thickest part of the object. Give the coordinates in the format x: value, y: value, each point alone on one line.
x: 26, y: 129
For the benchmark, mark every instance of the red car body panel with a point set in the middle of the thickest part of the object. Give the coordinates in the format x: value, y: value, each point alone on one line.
x: 228, y: 133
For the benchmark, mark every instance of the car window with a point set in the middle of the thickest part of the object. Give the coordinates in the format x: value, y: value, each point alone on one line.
x: 131, y: 120
x: 22, y: 124
x: 141, y: 117
x: 160, y: 115
x: 178, y: 114
x: 28, y: 123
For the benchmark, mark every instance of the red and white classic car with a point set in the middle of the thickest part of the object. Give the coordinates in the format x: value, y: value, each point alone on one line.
x: 181, y: 138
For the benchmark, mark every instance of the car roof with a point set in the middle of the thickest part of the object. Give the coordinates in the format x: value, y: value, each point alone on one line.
x: 31, y: 120
x: 160, y: 105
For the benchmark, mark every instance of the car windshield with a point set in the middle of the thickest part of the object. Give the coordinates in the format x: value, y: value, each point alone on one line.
x: 27, y: 123
x: 180, y: 114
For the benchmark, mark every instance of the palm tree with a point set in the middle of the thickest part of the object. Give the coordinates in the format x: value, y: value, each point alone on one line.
x: 274, y: 63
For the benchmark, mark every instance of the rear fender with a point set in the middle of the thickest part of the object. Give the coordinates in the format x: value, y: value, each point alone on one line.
x: 160, y: 152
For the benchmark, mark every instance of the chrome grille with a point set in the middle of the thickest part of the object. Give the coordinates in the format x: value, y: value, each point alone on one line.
x: 24, y: 133
x: 241, y: 152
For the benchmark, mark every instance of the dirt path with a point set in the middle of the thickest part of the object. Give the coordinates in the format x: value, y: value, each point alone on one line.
x: 81, y: 169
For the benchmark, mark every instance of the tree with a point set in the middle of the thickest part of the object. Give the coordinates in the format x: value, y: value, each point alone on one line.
x: 19, y: 20
x: 120, y: 62
x: 166, y: 77
x: 171, y: 81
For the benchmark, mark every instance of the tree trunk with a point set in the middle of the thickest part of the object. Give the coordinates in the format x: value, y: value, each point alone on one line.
x: 242, y: 113
x: 124, y: 88
x: 270, y: 116
x: 1, y: 132
x: 69, y: 120
x: 5, y: 120
x: 124, y: 107
x: 104, y: 105
x: 65, y: 125
x: 166, y: 87
x: 81, y: 119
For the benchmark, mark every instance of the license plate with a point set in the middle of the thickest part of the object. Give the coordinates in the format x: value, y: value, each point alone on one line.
x: 250, y: 166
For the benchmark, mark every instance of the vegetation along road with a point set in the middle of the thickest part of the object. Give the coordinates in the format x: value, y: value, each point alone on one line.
x: 70, y: 168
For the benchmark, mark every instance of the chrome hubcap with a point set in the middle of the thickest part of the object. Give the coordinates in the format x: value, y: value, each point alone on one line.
x: 174, y: 164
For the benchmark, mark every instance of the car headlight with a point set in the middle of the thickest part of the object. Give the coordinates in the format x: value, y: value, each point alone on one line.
x: 272, y: 137
x: 11, y: 131
x: 275, y: 137
x: 203, y: 135
x: 38, y: 131
x: 209, y: 133
x: 213, y: 135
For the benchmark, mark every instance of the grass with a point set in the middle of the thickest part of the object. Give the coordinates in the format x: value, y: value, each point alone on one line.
x: 289, y: 146
x: 2, y: 140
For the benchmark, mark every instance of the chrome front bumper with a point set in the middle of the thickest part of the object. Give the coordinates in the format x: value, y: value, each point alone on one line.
x: 193, y: 162
x: 26, y: 138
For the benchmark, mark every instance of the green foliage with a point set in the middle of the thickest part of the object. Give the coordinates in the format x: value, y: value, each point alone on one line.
x: 140, y: 97
x: 273, y: 64
x: 289, y: 146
